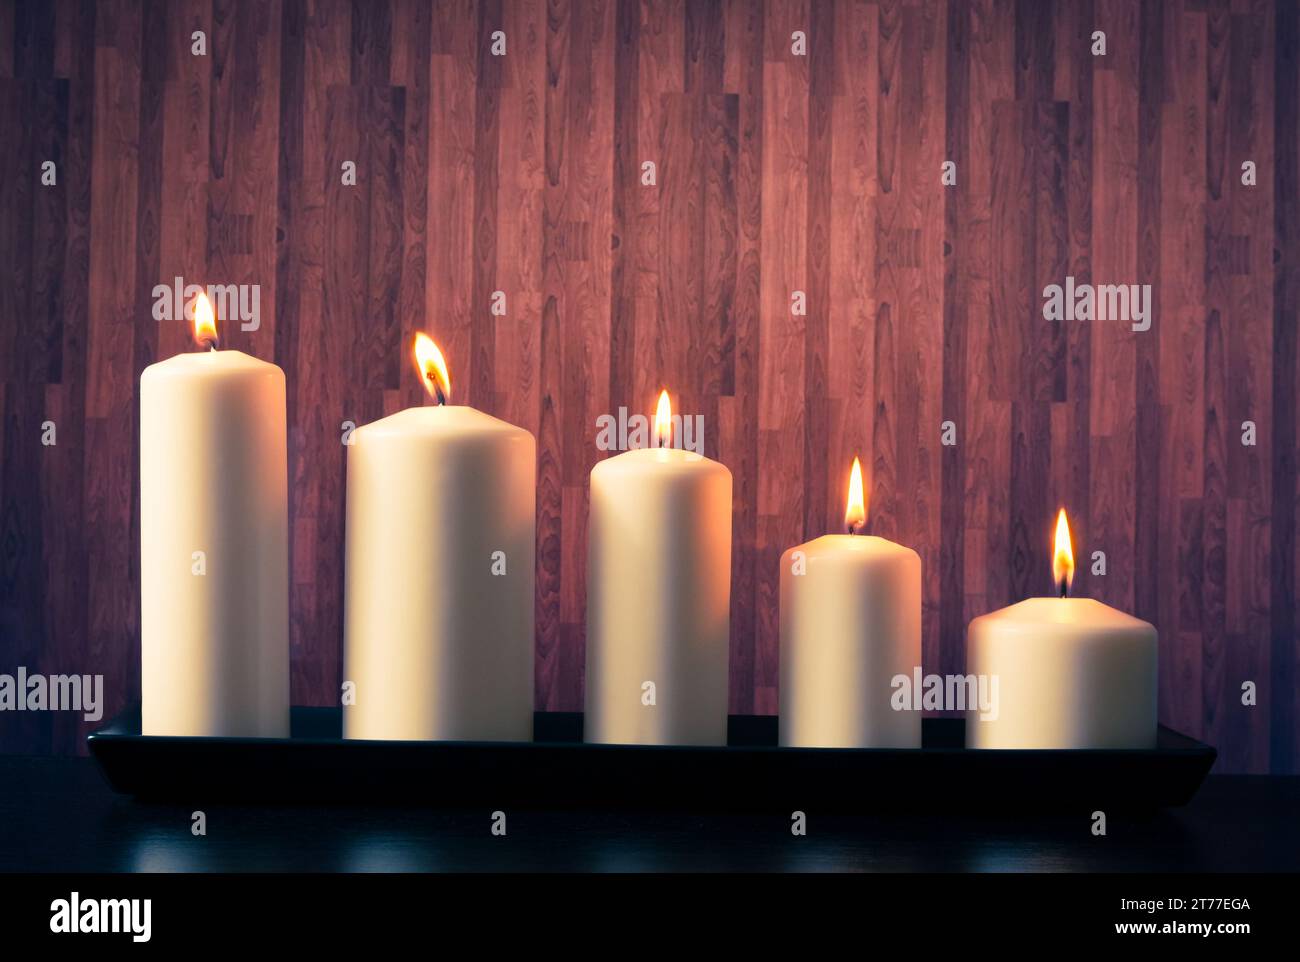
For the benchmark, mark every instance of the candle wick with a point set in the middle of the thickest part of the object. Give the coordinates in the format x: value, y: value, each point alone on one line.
x: 437, y: 389
x: 1064, y: 587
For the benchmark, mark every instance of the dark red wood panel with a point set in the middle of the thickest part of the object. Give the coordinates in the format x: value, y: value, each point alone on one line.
x: 778, y: 170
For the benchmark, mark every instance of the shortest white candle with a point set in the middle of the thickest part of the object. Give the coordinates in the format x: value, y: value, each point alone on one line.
x: 850, y: 623
x: 1071, y: 672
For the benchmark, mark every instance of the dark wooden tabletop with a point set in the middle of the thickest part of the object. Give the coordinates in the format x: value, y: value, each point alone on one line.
x: 57, y: 814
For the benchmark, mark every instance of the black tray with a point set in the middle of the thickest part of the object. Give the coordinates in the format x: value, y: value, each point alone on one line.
x: 557, y: 770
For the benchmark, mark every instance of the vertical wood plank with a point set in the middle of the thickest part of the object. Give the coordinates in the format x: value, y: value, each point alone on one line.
x: 781, y: 357
x: 743, y: 76
x: 110, y: 456
x: 1284, y: 725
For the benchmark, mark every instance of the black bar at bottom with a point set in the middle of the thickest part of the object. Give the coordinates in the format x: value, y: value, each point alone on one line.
x: 304, y: 911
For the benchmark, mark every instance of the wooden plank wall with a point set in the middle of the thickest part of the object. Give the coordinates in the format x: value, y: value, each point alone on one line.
x: 776, y: 172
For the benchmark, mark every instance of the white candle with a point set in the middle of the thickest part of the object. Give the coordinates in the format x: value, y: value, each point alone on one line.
x: 438, y: 621
x: 658, y: 597
x: 214, y: 615
x: 850, y: 623
x: 1072, y: 672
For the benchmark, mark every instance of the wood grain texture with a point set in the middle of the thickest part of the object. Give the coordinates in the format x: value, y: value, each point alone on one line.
x: 775, y: 171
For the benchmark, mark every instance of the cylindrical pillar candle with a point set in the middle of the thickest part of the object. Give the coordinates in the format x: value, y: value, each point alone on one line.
x: 438, y: 633
x: 214, y: 614
x: 658, y: 597
x: 1070, y: 672
x: 850, y: 623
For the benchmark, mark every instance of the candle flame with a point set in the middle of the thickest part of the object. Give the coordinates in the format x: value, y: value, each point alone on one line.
x: 855, y: 511
x: 1063, y: 556
x: 664, y: 421
x: 205, y: 322
x: 432, y: 368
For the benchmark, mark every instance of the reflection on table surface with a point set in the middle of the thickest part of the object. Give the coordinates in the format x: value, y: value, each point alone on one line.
x: 57, y: 814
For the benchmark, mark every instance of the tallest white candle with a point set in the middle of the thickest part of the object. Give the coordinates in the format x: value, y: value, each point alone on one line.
x: 214, y: 571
